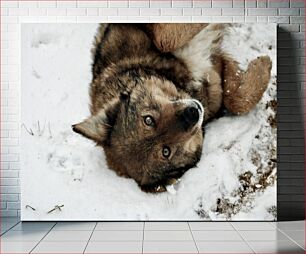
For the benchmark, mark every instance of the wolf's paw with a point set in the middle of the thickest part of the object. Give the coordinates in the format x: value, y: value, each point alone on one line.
x: 263, y: 62
x: 244, y: 92
x: 259, y: 69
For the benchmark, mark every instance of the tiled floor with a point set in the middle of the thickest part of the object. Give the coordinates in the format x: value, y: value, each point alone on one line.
x: 152, y: 237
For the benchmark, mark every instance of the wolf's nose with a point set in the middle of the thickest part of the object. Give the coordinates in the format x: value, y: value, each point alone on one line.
x: 191, y: 115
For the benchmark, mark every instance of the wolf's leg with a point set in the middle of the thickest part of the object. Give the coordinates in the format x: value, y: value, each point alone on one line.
x: 210, y: 93
x: 169, y: 37
x: 243, y: 90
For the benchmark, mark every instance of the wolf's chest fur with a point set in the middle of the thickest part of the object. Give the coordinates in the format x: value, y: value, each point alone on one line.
x: 197, y: 53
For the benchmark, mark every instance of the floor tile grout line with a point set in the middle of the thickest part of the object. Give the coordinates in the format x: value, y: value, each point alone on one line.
x: 251, y: 229
x: 290, y: 238
x: 231, y: 223
x: 143, y: 232
x: 42, y: 238
x: 10, y: 228
x: 303, y: 229
x: 247, y: 243
x: 273, y: 224
x: 90, y: 237
x: 232, y: 226
x: 193, y: 238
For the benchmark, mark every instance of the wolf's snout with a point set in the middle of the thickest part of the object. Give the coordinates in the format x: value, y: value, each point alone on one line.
x: 191, y: 115
x: 198, y: 106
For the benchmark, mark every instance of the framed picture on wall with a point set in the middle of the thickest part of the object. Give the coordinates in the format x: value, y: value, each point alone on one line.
x: 146, y: 122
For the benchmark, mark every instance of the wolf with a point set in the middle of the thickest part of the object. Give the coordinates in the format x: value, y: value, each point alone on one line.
x: 149, y: 103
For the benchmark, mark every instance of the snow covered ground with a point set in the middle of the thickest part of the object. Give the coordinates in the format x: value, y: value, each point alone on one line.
x: 235, y: 179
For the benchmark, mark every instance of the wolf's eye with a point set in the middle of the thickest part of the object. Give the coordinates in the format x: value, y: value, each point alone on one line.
x: 148, y: 120
x: 166, y: 151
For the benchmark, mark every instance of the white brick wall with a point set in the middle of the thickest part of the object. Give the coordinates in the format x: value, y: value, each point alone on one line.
x: 289, y: 13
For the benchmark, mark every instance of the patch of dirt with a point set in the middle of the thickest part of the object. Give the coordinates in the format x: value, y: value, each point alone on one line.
x: 202, y: 213
x: 272, y: 121
x: 272, y: 104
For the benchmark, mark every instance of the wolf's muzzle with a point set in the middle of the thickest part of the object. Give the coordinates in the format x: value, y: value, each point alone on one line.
x: 191, y: 115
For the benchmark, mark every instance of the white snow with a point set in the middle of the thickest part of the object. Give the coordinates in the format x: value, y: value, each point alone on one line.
x: 59, y: 167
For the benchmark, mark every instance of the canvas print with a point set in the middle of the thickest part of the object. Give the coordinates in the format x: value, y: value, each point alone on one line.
x: 148, y: 122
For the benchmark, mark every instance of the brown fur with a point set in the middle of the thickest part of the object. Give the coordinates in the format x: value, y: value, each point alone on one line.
x: 243, y: 90
x: 169, y: 36
x: 132, y: 79
x: 240, y: 91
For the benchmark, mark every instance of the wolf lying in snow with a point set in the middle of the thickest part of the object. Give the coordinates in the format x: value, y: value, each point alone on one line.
x: 154, y: 87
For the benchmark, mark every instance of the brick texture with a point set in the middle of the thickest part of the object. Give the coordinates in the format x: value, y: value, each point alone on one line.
x: 289, y: 14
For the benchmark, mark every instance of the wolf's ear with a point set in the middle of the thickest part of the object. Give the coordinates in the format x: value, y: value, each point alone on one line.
x: 98, y: 127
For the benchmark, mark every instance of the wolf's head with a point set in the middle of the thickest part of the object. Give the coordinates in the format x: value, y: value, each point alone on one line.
x: 152, y: 133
